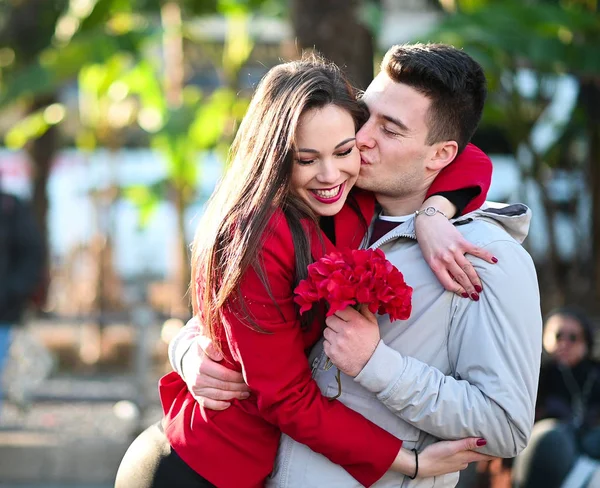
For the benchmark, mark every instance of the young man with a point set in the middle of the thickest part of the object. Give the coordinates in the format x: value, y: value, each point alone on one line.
x: 456, y: 368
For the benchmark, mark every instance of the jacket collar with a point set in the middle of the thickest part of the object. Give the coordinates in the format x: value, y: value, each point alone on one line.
x: 514, y: 219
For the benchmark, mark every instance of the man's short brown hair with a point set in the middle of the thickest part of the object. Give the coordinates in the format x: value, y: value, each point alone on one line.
x: 450, y: 78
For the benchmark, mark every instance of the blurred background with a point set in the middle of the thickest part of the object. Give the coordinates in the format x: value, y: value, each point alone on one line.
x: 115, y: 119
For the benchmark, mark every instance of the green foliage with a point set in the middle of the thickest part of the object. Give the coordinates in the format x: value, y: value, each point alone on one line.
x: 146, y: 199
x: 57, y: 66
x: 110, y: 51
x: 548, y: 37
x: 33, y: 126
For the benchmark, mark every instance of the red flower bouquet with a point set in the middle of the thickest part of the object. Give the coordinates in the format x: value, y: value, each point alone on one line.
x: 355, y: 278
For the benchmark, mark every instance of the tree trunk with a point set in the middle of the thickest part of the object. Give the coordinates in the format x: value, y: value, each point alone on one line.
x: 590, y: 100
x: 174, y: 80
x: 41, y: 152
x: 333, y: 28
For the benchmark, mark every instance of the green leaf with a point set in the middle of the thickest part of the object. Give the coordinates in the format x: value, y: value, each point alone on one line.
x: 238, y: 44
x: 212, y: 118
x: 31, y: 127
x: 146, y: 199
x: 56, y: 66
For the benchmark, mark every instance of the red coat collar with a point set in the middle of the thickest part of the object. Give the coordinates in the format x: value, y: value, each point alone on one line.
x: 349, y: 227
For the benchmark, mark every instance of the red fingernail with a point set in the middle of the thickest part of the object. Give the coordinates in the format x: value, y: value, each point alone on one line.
x: 475, y: 296
x: 481, y: 442
x: 478, y: 289
x: 494, y: 259
x: 465, y: 295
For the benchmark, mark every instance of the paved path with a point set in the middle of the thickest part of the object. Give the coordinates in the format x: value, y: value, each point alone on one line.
x: 73, y: 435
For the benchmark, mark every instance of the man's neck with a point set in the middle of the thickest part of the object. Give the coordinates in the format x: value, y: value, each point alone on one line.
x: 397, y: 206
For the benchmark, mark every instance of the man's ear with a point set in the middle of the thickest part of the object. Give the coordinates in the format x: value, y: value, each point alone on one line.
x: 443, y: 153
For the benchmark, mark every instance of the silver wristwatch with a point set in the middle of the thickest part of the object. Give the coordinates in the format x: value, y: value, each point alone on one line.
x: 430, y: 212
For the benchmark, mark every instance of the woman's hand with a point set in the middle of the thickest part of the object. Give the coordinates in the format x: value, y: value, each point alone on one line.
x: 450, y: 456
x: 444, y: 249
x: 441, y: 458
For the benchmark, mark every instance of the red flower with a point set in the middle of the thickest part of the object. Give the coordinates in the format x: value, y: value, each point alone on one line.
x: 354, y: 278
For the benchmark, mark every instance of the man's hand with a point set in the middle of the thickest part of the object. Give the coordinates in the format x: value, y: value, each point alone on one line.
x: 212, y: 384
x: 351, y: 337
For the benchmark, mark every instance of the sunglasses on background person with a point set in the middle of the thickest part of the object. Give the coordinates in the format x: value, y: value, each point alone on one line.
x: 567, y: 336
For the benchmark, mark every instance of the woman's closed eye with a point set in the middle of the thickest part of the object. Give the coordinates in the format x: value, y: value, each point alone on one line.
x: 305, y: 161
x: 346, y: 152
x: 342, y: 154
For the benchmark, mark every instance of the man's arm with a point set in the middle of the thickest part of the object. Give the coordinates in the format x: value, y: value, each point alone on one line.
x: 196, y: 360
x: 494, y: 347
x: 182, y: 342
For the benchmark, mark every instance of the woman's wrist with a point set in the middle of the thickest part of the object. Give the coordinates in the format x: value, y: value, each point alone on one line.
x: 441, y: 203
x: 405, y: 462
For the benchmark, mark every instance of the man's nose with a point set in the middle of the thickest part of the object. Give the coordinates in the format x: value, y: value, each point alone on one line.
x: 328, y: 172
x: 364, y: 138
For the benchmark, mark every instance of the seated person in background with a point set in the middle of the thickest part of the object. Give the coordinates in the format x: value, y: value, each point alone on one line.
x: 569, y: 379
x: 568, y: 403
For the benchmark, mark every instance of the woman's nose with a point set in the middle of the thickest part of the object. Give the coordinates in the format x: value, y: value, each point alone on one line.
x: 328, y: 173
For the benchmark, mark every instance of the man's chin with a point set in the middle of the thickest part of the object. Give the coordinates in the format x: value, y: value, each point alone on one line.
x: 364, y: 183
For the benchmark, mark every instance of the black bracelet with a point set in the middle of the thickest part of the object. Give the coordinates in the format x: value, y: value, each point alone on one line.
x: 417, y: 463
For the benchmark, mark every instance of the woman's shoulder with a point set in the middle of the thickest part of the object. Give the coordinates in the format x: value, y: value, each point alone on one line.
x: 278, y: 243
x: 277, y: 240
x: 277, y: 235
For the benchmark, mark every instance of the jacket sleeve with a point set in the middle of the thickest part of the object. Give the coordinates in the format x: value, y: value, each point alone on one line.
x: 494, y: 347
x: 471, y: 168
x: 276, y: 369
x: 181, y: 343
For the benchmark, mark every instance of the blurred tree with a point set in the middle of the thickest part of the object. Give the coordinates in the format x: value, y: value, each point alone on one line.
x: 339, y: 31
x: 527, y: 49
x: 109, y: 47
x: 19, y: 48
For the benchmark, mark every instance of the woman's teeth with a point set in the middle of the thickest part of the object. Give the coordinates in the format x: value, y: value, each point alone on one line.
x: 328, y: 193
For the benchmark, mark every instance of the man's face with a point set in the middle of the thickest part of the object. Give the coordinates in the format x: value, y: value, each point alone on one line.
x: 392, y: 142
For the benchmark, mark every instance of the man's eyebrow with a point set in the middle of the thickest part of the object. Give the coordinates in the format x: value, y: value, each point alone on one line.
x: 314, y: 151
x: 395, y: 121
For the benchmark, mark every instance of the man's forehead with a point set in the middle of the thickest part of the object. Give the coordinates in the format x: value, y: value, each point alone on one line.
x: 384, y: 95
x: 377, y: 86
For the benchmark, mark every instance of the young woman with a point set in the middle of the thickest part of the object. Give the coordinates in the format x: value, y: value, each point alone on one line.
x: 294, y: 163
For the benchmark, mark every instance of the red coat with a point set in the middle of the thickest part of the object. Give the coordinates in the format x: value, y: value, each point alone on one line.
x: 236, y: 448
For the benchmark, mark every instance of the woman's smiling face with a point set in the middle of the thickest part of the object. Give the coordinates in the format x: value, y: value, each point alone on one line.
x: 326, y: 159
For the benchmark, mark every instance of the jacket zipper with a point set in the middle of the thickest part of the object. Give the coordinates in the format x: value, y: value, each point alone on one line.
x: 391, y: 238
x: 319, y: 359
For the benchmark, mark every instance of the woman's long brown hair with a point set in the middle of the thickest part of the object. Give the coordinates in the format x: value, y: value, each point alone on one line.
x: 256, y: 183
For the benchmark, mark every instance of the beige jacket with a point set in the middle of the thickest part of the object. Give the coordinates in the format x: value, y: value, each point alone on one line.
x: 457, y: 368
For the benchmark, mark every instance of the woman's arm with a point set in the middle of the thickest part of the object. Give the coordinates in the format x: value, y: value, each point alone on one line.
x: 224, y: 385
x: 275, y: 367
x: 443, y: 247
x: 441, y: 458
